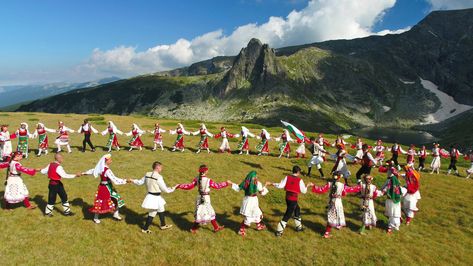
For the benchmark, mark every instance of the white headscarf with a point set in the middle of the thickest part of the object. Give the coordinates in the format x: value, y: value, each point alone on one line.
x: 135, y: 126
x: 41, y: 125
x: 26, y: 125
x: 112, y: 125
x: 179, y: 125
x: 202, y: 126
x: 266, y: 133
x: 98, y: 170
x: 288, y: 136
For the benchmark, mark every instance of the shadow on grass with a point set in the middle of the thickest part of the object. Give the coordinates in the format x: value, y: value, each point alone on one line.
x: 79, y: 202
x: 40, y: 202
x: 253, y: 165
x: 228, y: 223
x: 180, y: 221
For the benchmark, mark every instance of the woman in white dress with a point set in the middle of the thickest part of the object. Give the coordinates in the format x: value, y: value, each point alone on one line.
x: 63, y: 138
x: 250, y: 209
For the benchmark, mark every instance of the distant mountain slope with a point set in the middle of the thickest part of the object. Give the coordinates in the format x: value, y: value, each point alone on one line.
x: 12, y: 95
x: 334, y: 86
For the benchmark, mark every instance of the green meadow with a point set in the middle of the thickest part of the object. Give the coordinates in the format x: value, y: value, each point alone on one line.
x: 440, y: 234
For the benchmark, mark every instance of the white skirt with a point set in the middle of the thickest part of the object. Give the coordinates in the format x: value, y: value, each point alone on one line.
x: 16, y: 190
x: 470, y: 170
x: 409, y: 202
x: 359, y: 154
x: 316, y: 160
x: 225, y: 145
x: 335, y: 214
x: 392, y: 209
x: 301, y: 149
x: 435, y: 163
x: 204, y: 212
x: 61, y: 142
x: 343, y: 168
x: 250, y: 209
x: 153, y: 202
x: 7, y: 149
x: 369, y: 214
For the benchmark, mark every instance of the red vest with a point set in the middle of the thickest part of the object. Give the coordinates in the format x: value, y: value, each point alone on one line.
x: 366, y: 160
x: 292, y: 187
x: 52, y: 173
x: 396, y: 151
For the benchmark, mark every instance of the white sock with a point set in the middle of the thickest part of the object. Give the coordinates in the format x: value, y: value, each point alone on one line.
x: 68, y: 148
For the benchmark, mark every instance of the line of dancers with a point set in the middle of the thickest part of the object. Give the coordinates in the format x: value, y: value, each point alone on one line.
x: 318, y: 147
x: 400, y: 199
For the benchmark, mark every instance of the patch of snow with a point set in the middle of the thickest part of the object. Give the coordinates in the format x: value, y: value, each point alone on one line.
x: 448, y: 106
x: 352, y: 53
x: 386, y: 108
x: 407, y: 82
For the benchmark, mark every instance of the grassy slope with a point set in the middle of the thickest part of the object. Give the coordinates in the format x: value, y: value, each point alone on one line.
x: 441, y: 233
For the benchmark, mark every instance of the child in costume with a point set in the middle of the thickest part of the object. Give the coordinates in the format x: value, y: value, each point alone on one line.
x: 23, y: 135
x: 318, y: 156
x: 368, y: 192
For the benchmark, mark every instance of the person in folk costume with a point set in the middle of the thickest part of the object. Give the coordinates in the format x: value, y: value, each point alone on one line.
x: 112, y: 130
x: 15, y: 189
x: 341, y: 163
x: 379, y: 149
x: 411, y: 153
x: 393, y: 190
x: 204, y: 138
x: 469, y: 156
x: 359, y: 149
x: 87, y: 129
x: 322, y: 141
x: 339, y: 140
x: 55, y: 173
x: 225, y: 146
x: 107, y: 199
x: 263, y: 146
x: 436, y: 161
x: 422, y: 153
x: 318, y: 156
x: 293, y: 185
x: 204, y: 212
x: 250, y: 209
x: 244, y: 144
x: 396, y: 150
x: 63, y: 138
x: 5, y: 143
x: 368, y: 192
x: 454, y: 155
x: 367, y: 163
x: 158, y: 136
x: 337, y: 190
x: 179, y: 143
x: 23, y: 135
x: 41, y: 133
x: 300, y: 151
x: 153, y: 201
x: 284, y: 146
x: 409, y: 202
x: 135, y: 141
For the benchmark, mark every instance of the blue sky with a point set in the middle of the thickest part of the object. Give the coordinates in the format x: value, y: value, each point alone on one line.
x: 53, y: 40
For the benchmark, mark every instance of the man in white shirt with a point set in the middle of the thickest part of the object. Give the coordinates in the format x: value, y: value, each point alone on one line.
x: 55, y: 173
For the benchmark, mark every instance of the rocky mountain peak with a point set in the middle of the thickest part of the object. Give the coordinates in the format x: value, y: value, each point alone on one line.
x: 254, y: 65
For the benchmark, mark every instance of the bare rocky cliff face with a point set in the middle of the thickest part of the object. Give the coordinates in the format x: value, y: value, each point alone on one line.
x: 330, y: 86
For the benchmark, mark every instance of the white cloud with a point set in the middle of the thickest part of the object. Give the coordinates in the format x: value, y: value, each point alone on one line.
x: 399, y: 31
x: 320, y: 20
x: 450, y: 4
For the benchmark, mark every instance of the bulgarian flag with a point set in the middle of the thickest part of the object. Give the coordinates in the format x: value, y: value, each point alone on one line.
x: 295, y: 131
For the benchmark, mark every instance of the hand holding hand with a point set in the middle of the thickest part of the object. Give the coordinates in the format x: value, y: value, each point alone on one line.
x: 78, y: 174
x: 268, y: 184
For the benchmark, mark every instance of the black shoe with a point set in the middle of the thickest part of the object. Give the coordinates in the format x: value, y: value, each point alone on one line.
x: 278, y: 234
x: 49, y: 214
x: 299, y: 229
x: 69, y: 214
x: 93, y: 150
